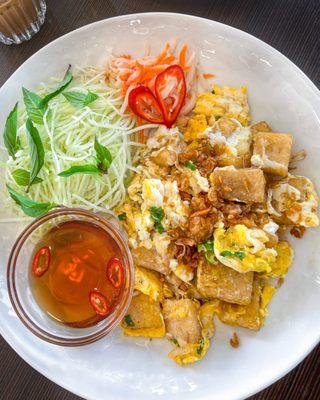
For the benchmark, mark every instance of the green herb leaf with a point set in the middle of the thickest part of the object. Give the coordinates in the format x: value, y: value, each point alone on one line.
x: 157, y: 214
x: 207, y: 246
x: 11, y: 141
x: 213, y: 91
x: 80, y: 169
x: 159, y: 227
x: 129, y: 320
x: 239, y: 254
x: 200, y: 347
x: 65, y: 82
x: 30, y: 207
x: 210, y: 257
x: 34, y: 107
x: 189, y: 164
x: 79, y: 100
x: 104, y: 157
x: 36, y: 151
x: 122, y: 216
x: 175, y: 342
x: 22, y: 177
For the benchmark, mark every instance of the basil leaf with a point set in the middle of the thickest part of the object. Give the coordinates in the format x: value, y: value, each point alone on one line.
x: 228, y: 253
x: 11, y: 141
x: 104, y: 157
x: 90, y: 97
x: 65, y: 83
x: 78, y: 99
x: 30, y: 207
x: 80, y: 169
x: 34, y: 108
x: 122, y: 216
x: 36, y: 151
x: 190, y: 165
x: 22, y: 177
x: 128, y: 320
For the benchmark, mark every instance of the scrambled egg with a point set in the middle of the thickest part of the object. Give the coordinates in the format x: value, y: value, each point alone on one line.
x: 244, y: 249
x: 148, y: 282
x: 235, y: 144
x: 197, y: 182
x: 182, y: 271
x: 210, y: 106
x: 293, y: 201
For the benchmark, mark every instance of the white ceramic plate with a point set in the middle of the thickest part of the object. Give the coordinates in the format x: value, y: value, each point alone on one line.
x: 119, y: 368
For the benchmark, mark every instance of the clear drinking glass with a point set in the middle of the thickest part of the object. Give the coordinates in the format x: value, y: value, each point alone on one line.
x: 20, y: 19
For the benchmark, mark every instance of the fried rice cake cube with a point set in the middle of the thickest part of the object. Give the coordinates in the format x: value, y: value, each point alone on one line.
x: 182, y: 320
x: 246, y: 185
x: 272, y: 152
x: 247, y: 316
x: 261, y: 126
x: 143, y: 318
x: 217, y: 281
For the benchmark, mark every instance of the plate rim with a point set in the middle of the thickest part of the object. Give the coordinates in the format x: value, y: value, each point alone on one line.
x: 311, y: 85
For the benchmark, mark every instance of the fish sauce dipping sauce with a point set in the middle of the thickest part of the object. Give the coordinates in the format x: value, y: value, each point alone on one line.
x: 70, y: 276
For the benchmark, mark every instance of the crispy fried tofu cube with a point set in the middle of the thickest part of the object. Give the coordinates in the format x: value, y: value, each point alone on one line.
x: 246, y: 185
x: 248, y: 316
x: 261, y: 126
x: 181, y: 320
x: 271, y: 152
x: 237, y: 161
x: 150, y: 259
x: 143, y: 318
x: 224, y: 283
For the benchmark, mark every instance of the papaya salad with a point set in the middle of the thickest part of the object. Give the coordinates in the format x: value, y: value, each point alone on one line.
x: 206, y: 196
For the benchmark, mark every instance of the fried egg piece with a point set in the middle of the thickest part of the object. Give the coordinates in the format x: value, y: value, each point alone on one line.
x: 245, y: 249
x: 293, y: 201
x: 224, y: 101
x: 148, y: 282
x: 152, y: 192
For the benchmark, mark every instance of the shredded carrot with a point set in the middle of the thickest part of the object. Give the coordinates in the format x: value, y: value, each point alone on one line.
x: 183, y: 56
x: 208, y: 76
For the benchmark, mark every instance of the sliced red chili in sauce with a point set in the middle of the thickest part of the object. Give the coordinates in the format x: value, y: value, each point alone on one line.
x: 99, y: 303
x: 144, y: 104
x: 115, y: 272
x: 41, y: 261
x: 170, y: 90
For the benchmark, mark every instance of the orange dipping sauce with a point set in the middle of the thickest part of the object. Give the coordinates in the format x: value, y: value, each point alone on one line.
x: 76, y: 273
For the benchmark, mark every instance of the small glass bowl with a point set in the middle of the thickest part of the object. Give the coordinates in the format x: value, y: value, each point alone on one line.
x: 23, y: 302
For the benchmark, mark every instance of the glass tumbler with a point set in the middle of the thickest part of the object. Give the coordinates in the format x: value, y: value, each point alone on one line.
x: 20, y: 19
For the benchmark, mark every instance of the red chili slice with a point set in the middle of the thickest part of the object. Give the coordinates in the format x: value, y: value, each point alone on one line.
x: 99, y: 303
x: 41, y: 261
x: 170, y: 88
x: 144, y: 104
x: 115, y: 272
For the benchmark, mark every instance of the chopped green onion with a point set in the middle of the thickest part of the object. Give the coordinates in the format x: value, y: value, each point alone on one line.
x: 228, y: 253
x: 129, y: 320
x: 122, y: 216
x: 190, y: 165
